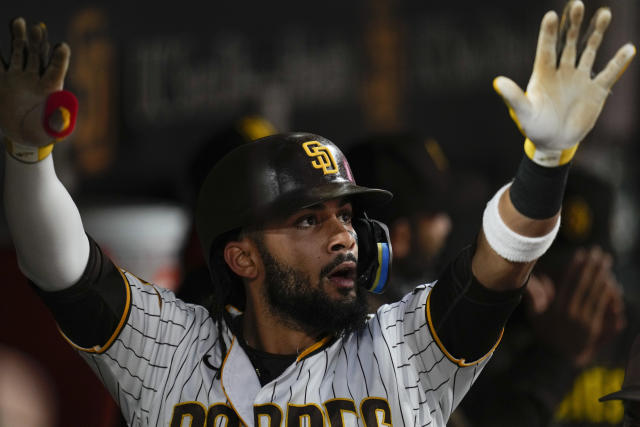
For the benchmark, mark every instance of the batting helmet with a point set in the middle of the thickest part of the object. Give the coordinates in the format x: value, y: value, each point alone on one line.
x: 283, y: 173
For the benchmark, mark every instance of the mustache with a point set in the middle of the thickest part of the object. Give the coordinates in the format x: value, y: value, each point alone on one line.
x: 336, y: 262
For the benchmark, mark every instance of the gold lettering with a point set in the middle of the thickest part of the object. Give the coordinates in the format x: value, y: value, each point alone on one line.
x: 323, y: 158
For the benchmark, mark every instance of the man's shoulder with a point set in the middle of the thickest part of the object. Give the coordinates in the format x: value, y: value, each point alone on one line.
x: 406, y: 313
x: 412, y: 300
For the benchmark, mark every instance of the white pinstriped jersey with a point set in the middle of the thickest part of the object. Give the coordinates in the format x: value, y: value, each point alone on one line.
x: 161, y: 365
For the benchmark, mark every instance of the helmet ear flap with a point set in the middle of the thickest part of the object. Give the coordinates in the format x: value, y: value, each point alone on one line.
x: 374, y: 253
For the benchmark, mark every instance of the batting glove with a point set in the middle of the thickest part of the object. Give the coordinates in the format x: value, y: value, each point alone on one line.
x: 34, y: 110
x: 563, y: 101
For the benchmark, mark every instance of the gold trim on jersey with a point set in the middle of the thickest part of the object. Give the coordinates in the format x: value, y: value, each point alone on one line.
x: 97, y: 349
x: 144, y: 282
x: 226, y: 356
x: 306, y: 352
x: 460, y: 362
x: 313, y: 347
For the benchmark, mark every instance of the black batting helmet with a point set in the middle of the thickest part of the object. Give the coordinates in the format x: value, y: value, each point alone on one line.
x: 280, y: 174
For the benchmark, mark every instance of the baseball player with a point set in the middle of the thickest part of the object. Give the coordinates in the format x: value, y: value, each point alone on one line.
x: 291, y: 250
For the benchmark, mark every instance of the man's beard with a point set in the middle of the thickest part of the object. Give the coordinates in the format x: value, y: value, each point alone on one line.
x: 305, y: 307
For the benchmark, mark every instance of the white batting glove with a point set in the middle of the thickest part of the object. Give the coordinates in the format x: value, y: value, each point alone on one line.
x: 34, y: 111
x: 563, y: 101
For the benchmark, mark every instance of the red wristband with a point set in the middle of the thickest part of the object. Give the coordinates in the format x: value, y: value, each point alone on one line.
x: 67, y: 103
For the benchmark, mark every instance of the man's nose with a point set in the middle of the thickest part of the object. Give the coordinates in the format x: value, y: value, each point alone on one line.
x: 342, y: 236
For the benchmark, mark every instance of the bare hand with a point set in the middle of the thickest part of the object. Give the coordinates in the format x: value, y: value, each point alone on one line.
x: 26, y: 82
x: 584, y: 309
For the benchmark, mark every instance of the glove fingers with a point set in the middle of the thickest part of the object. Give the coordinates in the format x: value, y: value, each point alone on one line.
x: 569, y: 30
x: 53, y: 77
x: 616, y: 67
x: 18, y: 43
x: 44, y: 47
x: 34, y: 49
x: 546, y: 50
x: 594, y: 34
x: 517, y: 102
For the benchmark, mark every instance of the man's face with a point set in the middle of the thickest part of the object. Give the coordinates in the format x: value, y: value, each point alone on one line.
x: 310, y: 261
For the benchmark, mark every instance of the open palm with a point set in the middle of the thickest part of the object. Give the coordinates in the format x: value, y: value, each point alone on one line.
x: 27, y: 81
x: 563, y: 101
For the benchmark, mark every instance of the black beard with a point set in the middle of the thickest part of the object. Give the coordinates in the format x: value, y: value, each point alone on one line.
x: 293, y: 299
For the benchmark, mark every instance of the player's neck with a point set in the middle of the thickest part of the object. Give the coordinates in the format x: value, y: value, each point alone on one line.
x: 267, y: 332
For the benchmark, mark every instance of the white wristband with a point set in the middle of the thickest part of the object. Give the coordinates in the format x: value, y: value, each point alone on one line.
x: 506, y: 242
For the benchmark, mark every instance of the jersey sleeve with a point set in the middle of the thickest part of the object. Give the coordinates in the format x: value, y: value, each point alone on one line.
x: 439, y: 362
x: 154, y: 347
x: 135, y: 335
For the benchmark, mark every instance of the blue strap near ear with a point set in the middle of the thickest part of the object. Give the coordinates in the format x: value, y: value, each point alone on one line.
x: 382, y: 271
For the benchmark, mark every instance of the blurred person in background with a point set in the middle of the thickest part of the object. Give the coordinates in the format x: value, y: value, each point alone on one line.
x: 27, y: 394
x: 567, y: 344
x: 416, y: 170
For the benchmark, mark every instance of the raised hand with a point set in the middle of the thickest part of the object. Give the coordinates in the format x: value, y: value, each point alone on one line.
x: 563, y: 100
x: 575, y: 316
x: 30, y: 117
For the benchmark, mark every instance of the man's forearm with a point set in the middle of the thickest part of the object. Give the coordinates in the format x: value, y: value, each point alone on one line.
x: 496, y: 272
x: 45, y: 224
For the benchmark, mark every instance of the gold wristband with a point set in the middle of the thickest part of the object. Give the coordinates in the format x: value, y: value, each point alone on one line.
x: 549, y: 158
x: 27, y: 153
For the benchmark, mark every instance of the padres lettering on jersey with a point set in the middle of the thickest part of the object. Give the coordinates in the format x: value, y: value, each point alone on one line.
x: 162, y: 368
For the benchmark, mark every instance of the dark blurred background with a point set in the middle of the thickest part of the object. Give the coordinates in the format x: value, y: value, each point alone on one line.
x: 155, y: 79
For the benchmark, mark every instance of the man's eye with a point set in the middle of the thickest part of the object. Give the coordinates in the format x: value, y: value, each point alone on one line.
x: 306, y: 221
x: 346, y: 217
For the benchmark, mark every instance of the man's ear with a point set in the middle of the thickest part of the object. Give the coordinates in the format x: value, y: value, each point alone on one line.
x: 241, y: 257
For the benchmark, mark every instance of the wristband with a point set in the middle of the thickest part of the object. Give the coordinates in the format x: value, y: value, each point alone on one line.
x: 537, y: 191
x: 58, y: 121
x: 506, y: 242
x: 66, y: 104
x: 27, y: 153
x: 549, y: 158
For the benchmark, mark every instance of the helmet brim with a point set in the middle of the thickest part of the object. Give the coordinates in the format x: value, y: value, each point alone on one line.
x: 362, y: 197
x: 627, y: 393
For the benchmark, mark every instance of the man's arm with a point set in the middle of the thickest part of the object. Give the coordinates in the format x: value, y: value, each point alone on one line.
x: 44, y: 222
x: 45, y: 225
x: 496, y: 272
x: 478, y: 291
x: 559, y: 108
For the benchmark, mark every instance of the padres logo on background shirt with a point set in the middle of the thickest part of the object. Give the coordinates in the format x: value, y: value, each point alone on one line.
x: 323, y: 158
